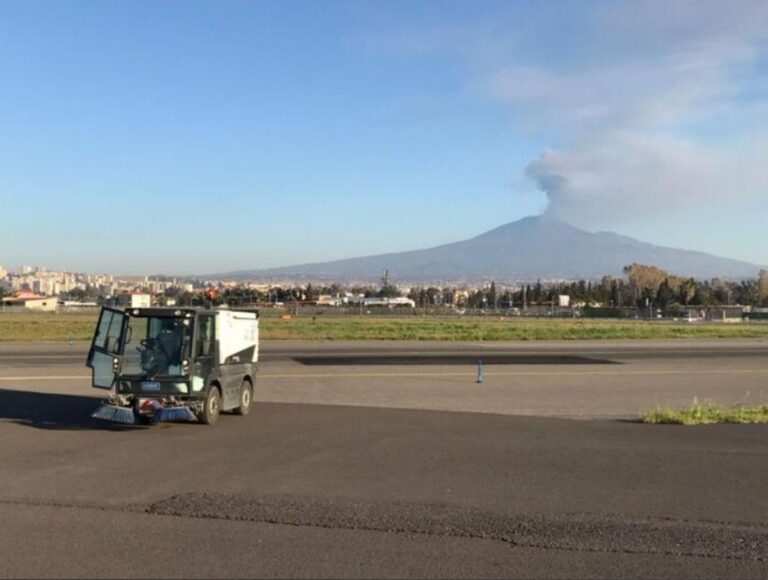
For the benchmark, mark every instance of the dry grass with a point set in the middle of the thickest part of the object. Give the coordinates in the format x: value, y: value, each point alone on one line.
x: 494, y: 329
x: 27, y: 327
x: 706, y: 413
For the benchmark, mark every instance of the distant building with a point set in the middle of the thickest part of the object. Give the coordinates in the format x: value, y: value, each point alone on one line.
x: 141, y: 300
x: 388, y: 302
x: 136, y: 300
x: 327, y: 300
x: 39, y: 303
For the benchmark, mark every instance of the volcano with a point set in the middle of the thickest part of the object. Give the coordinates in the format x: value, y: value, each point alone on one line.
x: 532, y: 248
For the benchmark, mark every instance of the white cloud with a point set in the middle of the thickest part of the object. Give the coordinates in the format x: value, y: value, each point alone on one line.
x: 630, y: 108
x: 653, y: 109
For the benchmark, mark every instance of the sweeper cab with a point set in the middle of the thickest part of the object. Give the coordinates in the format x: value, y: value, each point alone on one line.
x: 174, y: 364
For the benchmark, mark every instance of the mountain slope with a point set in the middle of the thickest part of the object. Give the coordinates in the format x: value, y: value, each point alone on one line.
x: 531, y: 248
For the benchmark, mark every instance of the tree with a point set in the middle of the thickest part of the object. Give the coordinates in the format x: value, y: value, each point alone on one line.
x: 747, y: 293
x: 492, y: 294
x: 605, y: 290
x: 388, y: 290
x: 703, y: 295
x: 762, y: 287
x: 644, y: 281
x: 665, y: 296
x: 721, y: 291
x: 687, y: 291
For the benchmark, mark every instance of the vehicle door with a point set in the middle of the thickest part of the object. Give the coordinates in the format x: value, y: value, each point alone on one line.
x: 106, y: 353
x: 204, y: 350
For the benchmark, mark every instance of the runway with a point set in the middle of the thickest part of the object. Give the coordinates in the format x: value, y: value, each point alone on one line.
x: 389, y: 459
x: 616, y: 379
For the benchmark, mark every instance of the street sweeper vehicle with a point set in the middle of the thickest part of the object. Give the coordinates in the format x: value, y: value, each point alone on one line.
x: 174, y: 364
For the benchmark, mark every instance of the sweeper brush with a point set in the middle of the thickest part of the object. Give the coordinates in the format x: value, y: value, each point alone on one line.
x: 115, y: 413
x: 174, y: 414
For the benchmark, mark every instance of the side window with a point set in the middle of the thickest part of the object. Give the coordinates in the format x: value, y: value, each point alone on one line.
x: 108, y: 332
x: 100, y: 340
x: 113, y: 345
x: 205, y: 336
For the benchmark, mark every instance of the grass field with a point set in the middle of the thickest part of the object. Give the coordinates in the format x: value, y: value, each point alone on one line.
x: 27, y: 327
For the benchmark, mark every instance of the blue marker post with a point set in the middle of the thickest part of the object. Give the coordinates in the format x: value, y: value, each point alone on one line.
x: 479, y: 371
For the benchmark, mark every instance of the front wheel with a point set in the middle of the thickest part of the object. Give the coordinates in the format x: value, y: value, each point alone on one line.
x: 246, y: 398
x: 212, y: 407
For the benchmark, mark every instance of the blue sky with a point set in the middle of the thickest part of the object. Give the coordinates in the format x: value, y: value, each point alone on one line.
x: 193, y: 137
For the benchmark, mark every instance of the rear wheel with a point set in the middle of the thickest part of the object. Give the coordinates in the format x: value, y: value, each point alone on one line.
x: 246, y: 398
x: 212, y: 407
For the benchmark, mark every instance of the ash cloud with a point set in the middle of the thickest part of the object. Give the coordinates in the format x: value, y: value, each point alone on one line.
x: 638, y: 177
x: 660, y: 113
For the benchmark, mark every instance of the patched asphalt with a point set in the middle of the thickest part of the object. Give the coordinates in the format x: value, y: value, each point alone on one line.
x: 576, y: 532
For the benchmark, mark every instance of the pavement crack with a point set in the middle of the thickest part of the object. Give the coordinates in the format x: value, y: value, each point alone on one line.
x: 575, y: 532
x: 572, y: 532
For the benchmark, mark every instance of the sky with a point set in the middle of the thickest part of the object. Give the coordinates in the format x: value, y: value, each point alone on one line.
x: 200, y: 137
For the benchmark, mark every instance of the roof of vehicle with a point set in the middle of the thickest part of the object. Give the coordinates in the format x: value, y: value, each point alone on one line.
x: 173, y: 311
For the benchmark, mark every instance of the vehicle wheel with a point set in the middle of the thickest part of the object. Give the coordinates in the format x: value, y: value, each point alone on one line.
x: 212, y: 407
x: 246, y: 398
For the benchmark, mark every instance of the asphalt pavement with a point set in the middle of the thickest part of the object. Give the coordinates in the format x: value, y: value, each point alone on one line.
x: 389, y: 459
x: 617, y: 379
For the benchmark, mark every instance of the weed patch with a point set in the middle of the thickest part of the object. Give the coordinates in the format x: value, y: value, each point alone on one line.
x: 706, y: 413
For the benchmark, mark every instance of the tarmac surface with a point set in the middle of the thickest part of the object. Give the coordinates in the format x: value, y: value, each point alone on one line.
x: 389, y: 459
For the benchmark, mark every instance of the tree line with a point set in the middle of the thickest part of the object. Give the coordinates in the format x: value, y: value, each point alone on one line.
x: 641, y: 287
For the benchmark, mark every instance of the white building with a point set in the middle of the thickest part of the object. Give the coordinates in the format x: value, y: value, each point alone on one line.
x: 141, y: 300
x: 40, y: 303
x: 390, y: 302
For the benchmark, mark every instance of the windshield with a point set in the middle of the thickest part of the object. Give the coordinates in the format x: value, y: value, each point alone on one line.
x: 156, y: 346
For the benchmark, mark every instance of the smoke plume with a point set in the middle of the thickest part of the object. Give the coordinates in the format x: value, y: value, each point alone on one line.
x: 663, y: 112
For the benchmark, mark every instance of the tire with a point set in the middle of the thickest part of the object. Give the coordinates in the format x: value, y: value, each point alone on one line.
x: 246, y: 398
x: 212, y: 407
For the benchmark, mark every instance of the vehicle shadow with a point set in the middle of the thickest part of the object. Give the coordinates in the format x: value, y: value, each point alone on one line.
x: 54, y: 411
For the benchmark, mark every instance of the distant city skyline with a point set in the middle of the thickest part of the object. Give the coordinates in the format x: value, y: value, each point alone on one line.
x: 202, y: 137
